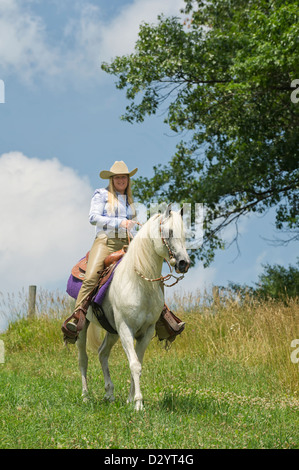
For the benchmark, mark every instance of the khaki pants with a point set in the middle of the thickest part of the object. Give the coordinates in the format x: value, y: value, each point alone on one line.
x: 102, y: 247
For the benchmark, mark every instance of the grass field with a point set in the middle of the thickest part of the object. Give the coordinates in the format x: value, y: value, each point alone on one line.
x: 227, y: 382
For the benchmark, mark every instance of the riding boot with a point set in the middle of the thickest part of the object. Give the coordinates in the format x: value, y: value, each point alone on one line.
x: 168, y: 326
x: 75, y: 323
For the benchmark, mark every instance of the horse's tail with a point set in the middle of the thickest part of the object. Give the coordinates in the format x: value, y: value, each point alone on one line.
x: 94, y: 336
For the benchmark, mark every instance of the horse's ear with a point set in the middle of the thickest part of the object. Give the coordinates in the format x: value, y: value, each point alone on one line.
x: 168, y: 210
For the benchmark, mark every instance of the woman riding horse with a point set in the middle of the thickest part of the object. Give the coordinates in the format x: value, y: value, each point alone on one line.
x: 112, y: 212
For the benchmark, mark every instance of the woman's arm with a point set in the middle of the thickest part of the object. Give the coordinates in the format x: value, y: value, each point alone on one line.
x: 98, y: 215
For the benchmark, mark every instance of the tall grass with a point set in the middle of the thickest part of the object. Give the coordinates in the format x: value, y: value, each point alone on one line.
x: 14, y: 306
x: 252, y: 332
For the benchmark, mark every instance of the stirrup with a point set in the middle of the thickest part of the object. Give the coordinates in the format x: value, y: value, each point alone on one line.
x: 71, y: 334
x: 169, y: 325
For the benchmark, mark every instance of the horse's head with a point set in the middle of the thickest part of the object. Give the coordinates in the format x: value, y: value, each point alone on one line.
x: 173, y: 238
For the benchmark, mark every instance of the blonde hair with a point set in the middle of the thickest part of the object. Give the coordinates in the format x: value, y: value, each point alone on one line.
x: 113, y: 199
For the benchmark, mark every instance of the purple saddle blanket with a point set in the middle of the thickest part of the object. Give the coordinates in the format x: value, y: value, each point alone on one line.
x: 74, y: 285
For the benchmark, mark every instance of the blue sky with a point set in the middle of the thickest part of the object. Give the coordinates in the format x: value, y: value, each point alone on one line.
x: 60, y: 125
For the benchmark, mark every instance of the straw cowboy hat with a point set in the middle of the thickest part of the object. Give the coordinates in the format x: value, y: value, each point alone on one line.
x: 118, y: 168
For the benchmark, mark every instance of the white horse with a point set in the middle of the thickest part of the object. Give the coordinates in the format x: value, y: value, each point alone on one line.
x: 133, y: 304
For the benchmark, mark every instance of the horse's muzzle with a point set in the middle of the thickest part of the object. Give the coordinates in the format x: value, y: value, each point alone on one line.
x: 182, y: 266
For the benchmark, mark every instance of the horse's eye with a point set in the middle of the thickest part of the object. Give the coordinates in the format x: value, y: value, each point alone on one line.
x: 170, y: 233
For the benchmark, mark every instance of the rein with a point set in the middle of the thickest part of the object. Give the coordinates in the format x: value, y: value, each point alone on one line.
x: 171, y: 262
x: 162, y: 278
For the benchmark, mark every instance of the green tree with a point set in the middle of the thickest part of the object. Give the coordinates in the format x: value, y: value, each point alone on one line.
x: 278, y: 282
x: 224, y: 70
x: 275, y: 282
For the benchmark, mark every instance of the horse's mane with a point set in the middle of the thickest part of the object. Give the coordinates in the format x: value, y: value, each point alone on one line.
x: 139, y: 249
x: 141, y: 246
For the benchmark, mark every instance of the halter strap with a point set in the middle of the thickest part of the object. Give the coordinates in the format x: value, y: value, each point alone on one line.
x: 171, y: 255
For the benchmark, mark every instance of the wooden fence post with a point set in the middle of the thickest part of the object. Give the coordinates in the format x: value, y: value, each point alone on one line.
x: 31, y: 301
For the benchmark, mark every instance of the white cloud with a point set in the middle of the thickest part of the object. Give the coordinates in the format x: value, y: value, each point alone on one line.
x: 120, y: 35
x: 86, y: 38
x: 96, y: 40
x: 23, y: 42
x: 44, y: 221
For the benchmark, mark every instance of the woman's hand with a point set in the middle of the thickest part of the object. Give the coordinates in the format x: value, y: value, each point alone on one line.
x: 128, y: 224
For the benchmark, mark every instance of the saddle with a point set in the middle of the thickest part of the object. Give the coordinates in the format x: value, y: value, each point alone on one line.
x: 79, y: 269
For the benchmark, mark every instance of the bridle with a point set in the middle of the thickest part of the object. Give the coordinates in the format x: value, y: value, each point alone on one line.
x: 170, y: 263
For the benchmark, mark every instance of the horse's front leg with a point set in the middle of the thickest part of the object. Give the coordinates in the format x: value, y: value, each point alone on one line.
x: 83, y: 359
x: 127, y: 340
x: 140, y: 348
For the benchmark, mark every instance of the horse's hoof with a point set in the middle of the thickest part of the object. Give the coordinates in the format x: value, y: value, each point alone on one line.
x: 109, y: 398
x: 138, y: 405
